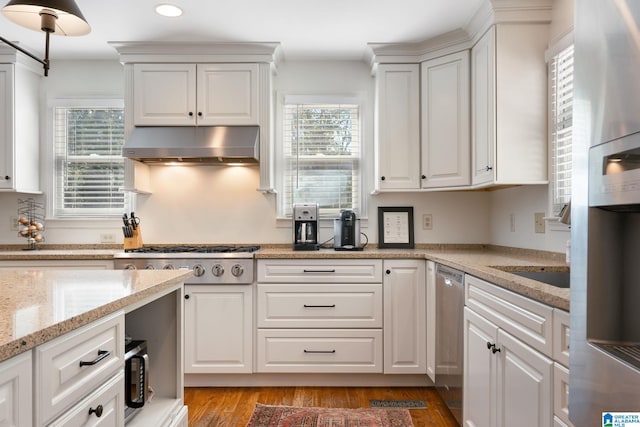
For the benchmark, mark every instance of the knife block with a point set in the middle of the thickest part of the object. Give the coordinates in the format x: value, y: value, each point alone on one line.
x: 134, y: 242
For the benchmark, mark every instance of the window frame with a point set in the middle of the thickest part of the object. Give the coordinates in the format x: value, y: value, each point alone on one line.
x: 284, y: 99
x: 561, y: 45
x: 50, y: 173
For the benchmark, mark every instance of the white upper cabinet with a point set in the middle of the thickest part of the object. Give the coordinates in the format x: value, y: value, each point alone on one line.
x: 509, y: 106
x: 195, y: 94
x: 19, y: 130
x: 397, y: 127
x: 446, y: 150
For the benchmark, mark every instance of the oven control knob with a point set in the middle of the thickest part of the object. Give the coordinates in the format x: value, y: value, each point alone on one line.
x: 198, y: 270
x: 217, y: 270
x: 168, y: 267
x: 130, y: 267
x: 237, y: 270
x: 149, y: 267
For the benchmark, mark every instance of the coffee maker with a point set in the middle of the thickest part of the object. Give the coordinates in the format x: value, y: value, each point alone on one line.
x: 305, y: 227
x: 346, y: 232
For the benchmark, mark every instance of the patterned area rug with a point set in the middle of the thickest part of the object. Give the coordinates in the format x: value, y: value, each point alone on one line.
x: 289, y: 416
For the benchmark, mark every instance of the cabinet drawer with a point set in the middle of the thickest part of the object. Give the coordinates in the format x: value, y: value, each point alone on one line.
x: 109, y: 398
x: 561, y: 336
x: 60, y: 381
x: 320, y: 271
x: 320, y: 306
x: 311, y: 351
x: 526, y: 319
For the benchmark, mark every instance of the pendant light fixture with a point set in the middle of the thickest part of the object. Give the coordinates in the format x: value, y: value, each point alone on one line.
x: 61, y: 17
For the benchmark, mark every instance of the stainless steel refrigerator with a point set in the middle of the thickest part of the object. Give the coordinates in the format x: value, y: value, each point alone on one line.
x: 605, y: 221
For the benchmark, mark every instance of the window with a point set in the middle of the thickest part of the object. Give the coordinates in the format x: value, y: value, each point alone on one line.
x: 88, y: 162
x: 320, y: 155
x: 561, y: 80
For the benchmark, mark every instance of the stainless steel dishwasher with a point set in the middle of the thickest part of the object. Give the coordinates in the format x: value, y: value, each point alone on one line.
x: 449, y: 337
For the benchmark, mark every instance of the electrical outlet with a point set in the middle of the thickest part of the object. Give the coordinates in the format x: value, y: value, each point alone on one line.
x: 14, y: 223
x: 512, y: 222
x: 427, y: 221
x: 538, y: 218
x: 107, y: 238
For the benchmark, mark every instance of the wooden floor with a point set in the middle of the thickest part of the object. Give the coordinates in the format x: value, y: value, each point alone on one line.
x: 232, y: 407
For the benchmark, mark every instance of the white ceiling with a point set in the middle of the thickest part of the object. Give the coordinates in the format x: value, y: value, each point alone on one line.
x: 306, y: 29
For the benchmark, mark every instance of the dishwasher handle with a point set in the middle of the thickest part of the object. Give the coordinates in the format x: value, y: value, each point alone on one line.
x: 450, y: 275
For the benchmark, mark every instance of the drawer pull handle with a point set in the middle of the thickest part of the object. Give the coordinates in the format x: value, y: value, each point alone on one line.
x: 97, y: 411
x: 319, y: 306
x: 319, y: 271
x: 320, y: 351
x: 101, y: 355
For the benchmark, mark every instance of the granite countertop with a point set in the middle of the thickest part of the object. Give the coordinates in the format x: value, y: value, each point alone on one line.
x: 477, y: 260
x: 40, y: 305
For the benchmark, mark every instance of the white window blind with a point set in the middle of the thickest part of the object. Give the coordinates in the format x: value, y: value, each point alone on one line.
x: 89, y: 167
x: 321, y: 155
x: 561, y: 74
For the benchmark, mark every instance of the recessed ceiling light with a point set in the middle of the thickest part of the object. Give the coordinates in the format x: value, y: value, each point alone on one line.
x: 169, y: 10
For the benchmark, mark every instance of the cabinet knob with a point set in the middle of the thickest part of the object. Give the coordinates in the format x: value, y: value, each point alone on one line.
x: 383, y: 178
x: 199, y: 113
x: 187, y: 296
x: 495, y: 349
x: 489, y: 168
x: 424, y: 177
x: 97, y: 411
x: 190, y: 113
x: 7, y: 177
x: 388, y: 271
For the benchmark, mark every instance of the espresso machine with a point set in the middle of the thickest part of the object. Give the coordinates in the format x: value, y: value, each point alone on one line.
x: 305, y: 227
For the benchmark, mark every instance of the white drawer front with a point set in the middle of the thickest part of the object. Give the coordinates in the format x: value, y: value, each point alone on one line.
x: 561, y: 393
x: 60, y: 381
x: 108, y: 399
x: 320, y: 271
x: 526, y: 319
x: 320, y: 306
x: 319, y: 350
x: 561, y: 336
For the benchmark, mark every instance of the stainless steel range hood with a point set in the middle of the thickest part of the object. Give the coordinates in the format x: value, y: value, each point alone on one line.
x: 194, y: 145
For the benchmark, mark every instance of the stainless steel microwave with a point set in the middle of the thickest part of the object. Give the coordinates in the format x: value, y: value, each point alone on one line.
x: 614, y: 174
x: 136, y: 377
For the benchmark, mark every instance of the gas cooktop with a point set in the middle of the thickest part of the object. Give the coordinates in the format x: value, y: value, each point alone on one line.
x: 193, y: 249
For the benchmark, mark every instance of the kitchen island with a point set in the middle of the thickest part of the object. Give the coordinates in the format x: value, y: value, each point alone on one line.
x: 48, y: 317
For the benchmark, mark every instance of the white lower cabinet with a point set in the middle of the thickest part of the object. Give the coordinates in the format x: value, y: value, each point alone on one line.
x: 506, y: 382
x: 75, y: 365
x: 405, y: 322
x: 16, y: 391
x: 218, y: 329
x: 319, y: 316
x: 103, y: 408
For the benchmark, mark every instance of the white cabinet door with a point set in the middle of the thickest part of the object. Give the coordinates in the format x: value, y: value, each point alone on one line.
x: 405, y: 334
x: 446, y: 145
x: 480, y: 371
x: 483, y: 108
x: 227, y: 94
x: 525, y: 384
x: 218, y: 328
x: 19, y: 137
x: 164, y: 94
x: 398, y: 126
x: 15, y: 391
x: 509, y: 106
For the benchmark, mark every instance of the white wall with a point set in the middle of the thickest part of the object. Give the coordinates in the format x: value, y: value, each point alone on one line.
x: 220, y: 205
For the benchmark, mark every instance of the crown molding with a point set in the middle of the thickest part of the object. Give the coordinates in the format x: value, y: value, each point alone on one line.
x: 182, y: 52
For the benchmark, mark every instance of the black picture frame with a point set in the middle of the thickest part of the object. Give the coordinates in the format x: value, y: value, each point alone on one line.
x: 395, y: 227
